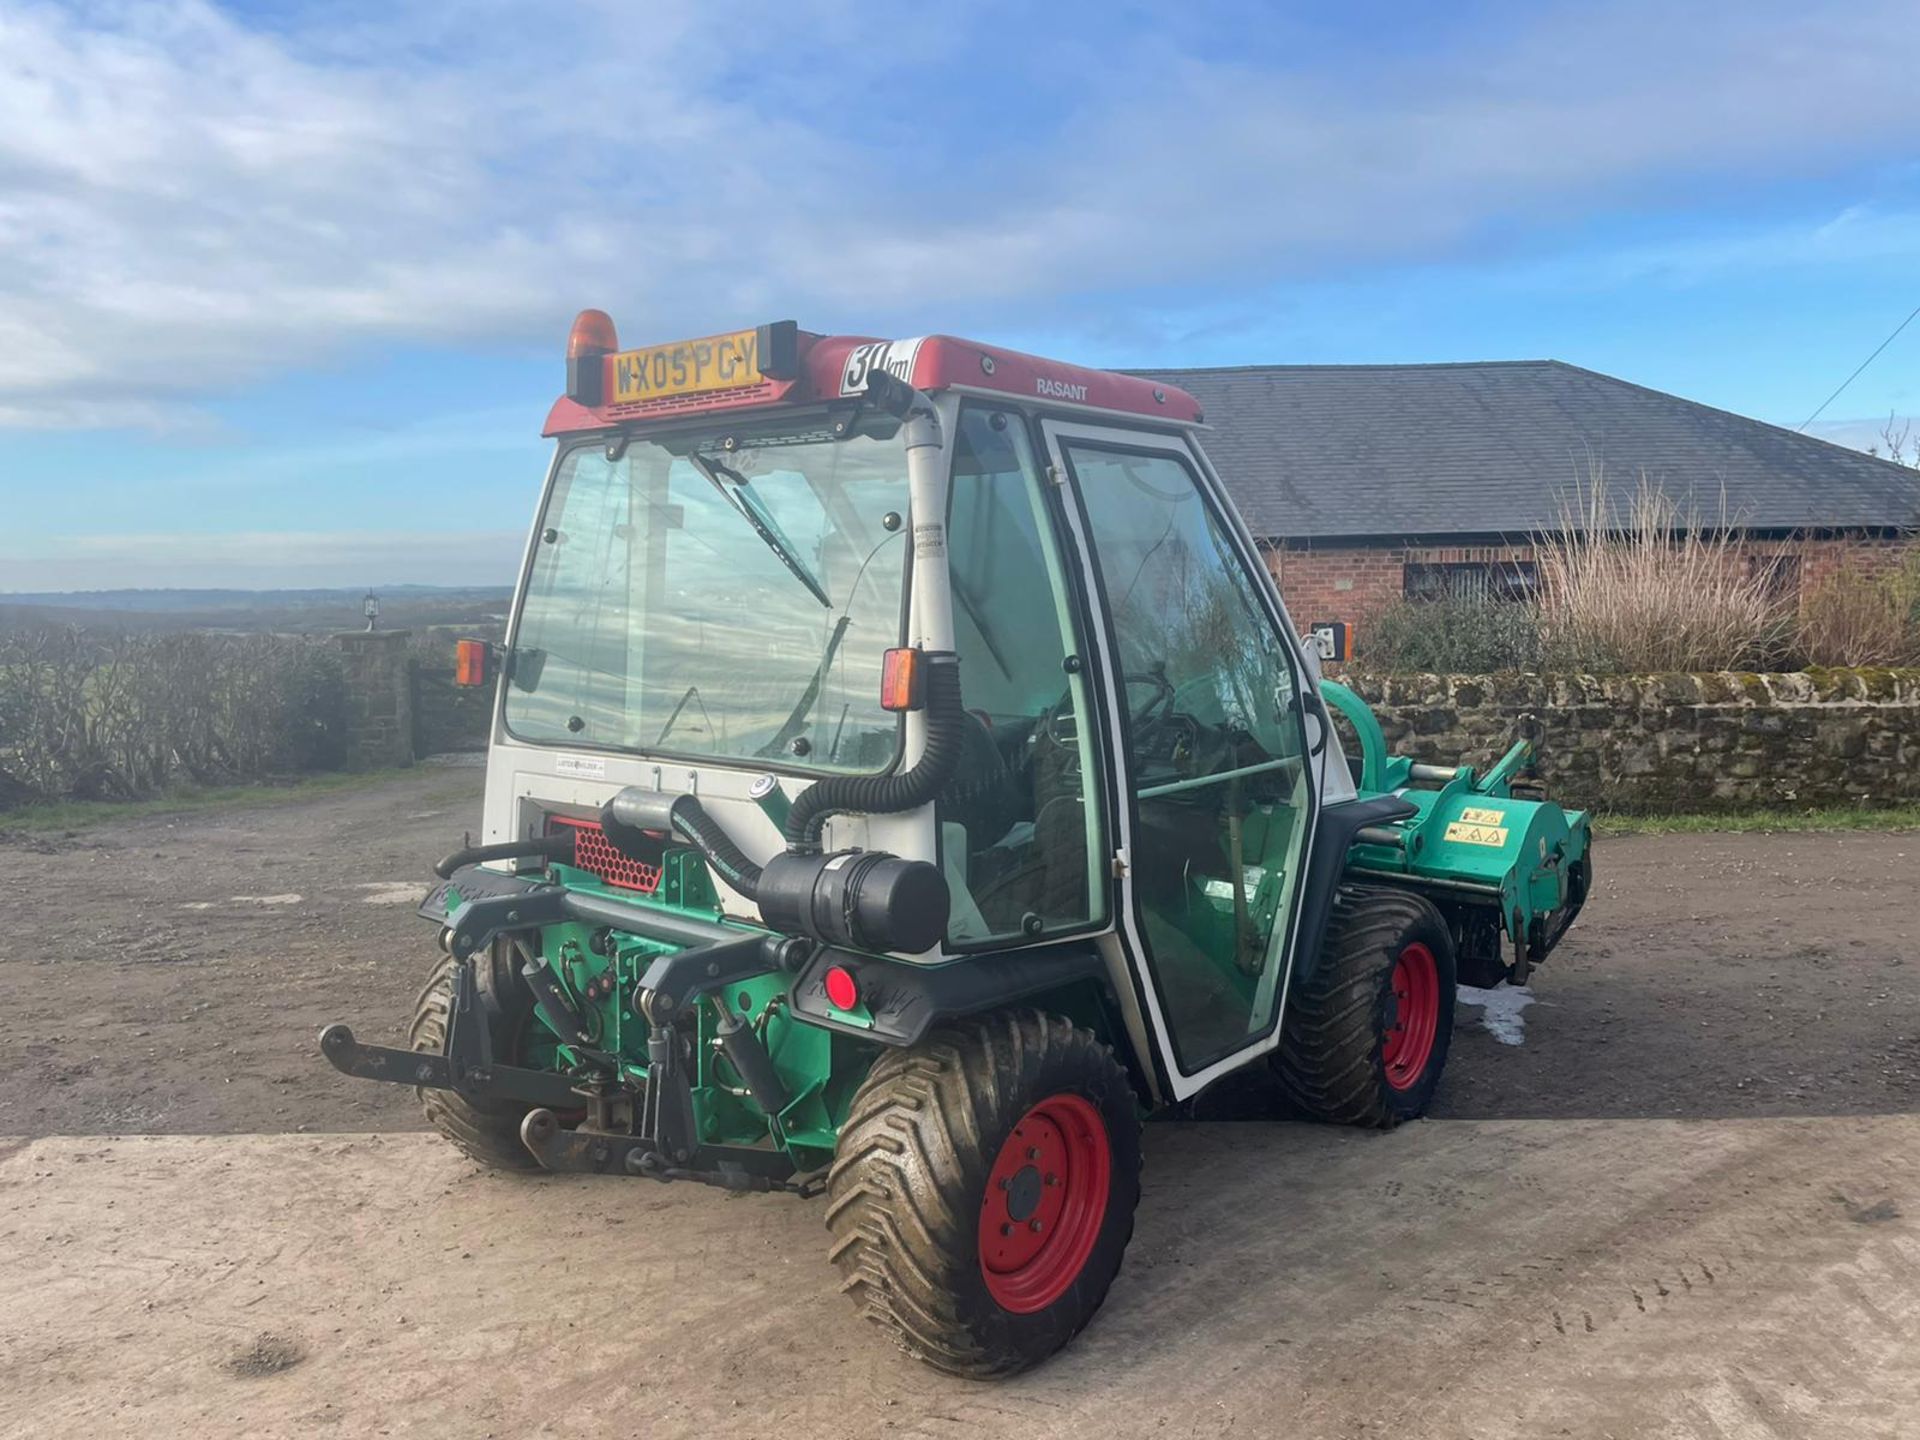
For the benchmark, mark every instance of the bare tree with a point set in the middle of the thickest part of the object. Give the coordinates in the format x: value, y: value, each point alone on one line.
x: 1898, y: 443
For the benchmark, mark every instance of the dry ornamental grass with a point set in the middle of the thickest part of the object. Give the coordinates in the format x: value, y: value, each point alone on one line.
x: 1853, y: 618
x: 1651, y: 586
x: 1657, y: 588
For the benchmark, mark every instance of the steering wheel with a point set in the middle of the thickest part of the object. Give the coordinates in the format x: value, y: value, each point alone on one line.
x: 1150, y: 719
x: 1146, y: 720
x: 1163, y: 692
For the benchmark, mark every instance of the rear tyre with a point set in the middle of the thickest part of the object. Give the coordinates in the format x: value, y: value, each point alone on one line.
x: 1366, y: 1036
x: 983, y: 1191
x: 484, y: 1130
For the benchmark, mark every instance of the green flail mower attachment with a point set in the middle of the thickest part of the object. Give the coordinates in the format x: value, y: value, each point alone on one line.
x: 1509, y: 873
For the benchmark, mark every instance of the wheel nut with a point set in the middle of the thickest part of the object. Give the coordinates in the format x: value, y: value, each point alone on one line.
x: 1005, y: 1230
x: 1006, y: 1184
x: 1034, y: 1225
x: 1033, y: 1152
x: 1053, y: 1179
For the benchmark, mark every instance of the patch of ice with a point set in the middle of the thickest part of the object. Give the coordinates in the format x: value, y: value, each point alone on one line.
x: 1500, y: 1010
x: 391, y: 892
x: 267, y: 899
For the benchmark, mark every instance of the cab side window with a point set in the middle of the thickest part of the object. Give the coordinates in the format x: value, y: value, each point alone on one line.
x: 1019, y: 824
x: 1216, y: 759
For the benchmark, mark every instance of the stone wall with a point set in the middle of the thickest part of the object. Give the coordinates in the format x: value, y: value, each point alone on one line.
x: 1655, y: 743
x: 379, y: 695
x: 448, y: 717
x: 1633, y: 743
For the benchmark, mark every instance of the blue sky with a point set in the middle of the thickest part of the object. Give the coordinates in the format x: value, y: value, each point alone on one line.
x: 283, y: 288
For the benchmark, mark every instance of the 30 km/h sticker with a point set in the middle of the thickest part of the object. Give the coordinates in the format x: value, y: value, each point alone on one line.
x: 1465, y: 834
x: 896, y: 357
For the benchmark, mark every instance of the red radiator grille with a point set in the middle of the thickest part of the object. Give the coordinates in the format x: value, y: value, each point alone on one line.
x: 594, y: 853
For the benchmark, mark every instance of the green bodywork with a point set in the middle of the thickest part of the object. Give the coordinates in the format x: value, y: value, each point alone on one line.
x: 820, y: 1068
x: 1469, y: 836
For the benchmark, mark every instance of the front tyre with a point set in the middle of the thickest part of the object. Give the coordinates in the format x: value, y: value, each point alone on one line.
x: 484, y: 1130
x: 1366, y: 1035
x: 983, y: 1190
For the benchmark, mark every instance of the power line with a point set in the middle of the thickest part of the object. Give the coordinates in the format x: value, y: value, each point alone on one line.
x: 1863, y: 365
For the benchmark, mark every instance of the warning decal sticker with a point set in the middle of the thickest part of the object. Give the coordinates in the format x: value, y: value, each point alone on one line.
x: 1464, y: 834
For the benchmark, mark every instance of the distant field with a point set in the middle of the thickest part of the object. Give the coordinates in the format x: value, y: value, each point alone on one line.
x: 402, y: 607
x: 69, y: 817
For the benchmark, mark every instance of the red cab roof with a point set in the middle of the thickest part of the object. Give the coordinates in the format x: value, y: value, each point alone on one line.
x: 836, y: 366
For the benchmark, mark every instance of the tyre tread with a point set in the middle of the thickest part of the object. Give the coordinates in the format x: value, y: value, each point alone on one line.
x: 918, y: 1140
x: 1328, y: 1063
x: 488, y: 1133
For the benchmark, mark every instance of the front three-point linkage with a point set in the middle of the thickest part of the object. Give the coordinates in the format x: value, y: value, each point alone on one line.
x: 466, y: 1065
x: 663, y: 1143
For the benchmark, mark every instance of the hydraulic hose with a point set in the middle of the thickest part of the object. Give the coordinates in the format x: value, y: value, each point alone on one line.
x: 890, y: 794
x: 634, y: 810
x: 545, y: 847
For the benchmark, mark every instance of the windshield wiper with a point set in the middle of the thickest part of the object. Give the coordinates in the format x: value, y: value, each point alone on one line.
x: 796, y: 721
x: 692, y: 694
x: 764, y: 526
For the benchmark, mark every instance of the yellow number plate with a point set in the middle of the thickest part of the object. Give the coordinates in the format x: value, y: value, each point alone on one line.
x: 687, y: 367
x: 1495, y: 835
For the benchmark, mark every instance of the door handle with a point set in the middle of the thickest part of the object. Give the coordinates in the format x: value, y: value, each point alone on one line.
x: 1318, y: 728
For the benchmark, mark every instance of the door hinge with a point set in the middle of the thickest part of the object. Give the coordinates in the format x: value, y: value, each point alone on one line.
x: 1056, y: 475
x: 1119, y: 864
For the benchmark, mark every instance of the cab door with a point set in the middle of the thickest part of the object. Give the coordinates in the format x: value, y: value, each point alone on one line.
x: 1204, y: 697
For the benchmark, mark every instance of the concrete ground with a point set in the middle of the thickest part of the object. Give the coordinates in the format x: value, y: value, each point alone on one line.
x: 1687, y: 1205
x: 1726, y: 1280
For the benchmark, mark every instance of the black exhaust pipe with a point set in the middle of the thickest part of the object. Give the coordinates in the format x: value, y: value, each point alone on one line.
x: 634, y: 810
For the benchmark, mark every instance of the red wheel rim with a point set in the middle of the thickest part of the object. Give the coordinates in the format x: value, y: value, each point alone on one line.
x: 1045, y: 1203
x: 1414, y: 1017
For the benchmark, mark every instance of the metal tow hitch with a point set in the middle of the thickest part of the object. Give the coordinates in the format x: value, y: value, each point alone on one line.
x: 585, y: 1152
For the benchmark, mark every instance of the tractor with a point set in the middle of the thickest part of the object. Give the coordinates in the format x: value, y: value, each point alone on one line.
x: 904, y: 781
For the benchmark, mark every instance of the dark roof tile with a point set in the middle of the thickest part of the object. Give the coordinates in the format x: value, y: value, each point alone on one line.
x: 1499, y: 447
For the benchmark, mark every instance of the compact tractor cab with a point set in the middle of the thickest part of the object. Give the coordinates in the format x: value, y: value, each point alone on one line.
x: 904, y: 778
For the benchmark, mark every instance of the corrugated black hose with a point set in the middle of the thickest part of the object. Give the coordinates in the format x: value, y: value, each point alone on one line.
x: 890, y: 794
x: 634, y: 810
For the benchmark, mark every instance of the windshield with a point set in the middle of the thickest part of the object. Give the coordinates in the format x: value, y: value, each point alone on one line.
x: 701, y: 599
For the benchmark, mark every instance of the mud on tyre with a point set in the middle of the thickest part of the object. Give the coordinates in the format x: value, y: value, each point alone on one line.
x: 1366, y: 1035
x: 984, y: 1190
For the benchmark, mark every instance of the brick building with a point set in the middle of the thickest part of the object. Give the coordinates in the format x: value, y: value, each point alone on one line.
x: 1369, y: 483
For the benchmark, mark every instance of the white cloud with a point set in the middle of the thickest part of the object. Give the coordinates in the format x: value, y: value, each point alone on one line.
x: 1857, y: 235
x: 189, y: 201
x: 1883, y: 435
